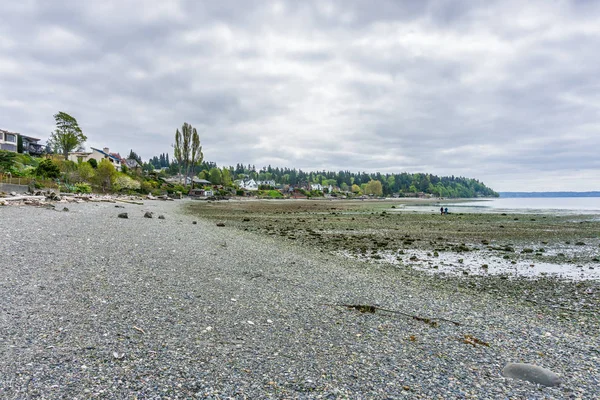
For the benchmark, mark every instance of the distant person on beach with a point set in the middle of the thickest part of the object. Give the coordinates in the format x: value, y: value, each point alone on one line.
x: 441, y: 210
x: 446, y: 210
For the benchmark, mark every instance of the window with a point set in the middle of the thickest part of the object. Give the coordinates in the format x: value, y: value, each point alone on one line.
x: 11, y: 138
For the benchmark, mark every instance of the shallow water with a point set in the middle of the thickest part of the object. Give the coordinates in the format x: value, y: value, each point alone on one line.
x: 542, y: 205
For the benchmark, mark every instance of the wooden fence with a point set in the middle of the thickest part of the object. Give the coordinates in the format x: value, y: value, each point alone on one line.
x: 21, y: 180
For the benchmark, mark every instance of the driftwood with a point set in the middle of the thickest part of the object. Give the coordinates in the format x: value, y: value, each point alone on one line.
x: 139, y: 203
x: 19, y: 198
x: 365, y: 308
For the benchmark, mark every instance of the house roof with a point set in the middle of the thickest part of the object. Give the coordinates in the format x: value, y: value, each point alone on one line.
x: 30, y: 138
x: 110, y: 155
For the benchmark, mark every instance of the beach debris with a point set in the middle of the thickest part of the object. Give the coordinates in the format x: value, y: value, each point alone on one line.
x: 473, y: 341
x: 118, y: 356
x: 123, y: 215
x: 148, y: 214
x: 366, y: 308
x: 531, y: 373
x: 118, y: 206
x: 139, y: 329
x: 220, y: 224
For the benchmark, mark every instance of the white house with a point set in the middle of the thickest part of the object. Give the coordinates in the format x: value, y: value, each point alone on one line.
x: 98, y: 155
x: 249, y: 184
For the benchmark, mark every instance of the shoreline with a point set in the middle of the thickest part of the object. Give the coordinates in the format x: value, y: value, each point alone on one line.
x: 77, y: 284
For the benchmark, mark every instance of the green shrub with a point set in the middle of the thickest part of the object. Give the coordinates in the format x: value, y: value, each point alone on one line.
x: 48, y: 169
x: 180, y: 188
x: 83, y: 188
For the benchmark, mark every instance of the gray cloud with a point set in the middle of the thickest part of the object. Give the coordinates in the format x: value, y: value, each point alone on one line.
x: 502, y: 91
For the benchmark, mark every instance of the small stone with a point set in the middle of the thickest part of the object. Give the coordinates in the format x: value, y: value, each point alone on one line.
x: 13, y: 193
x: 194, y: 222
x: 123, y: 215
x: 147, y: 214
x: 65, y: 209
x: 220, y: 224
x: 250, y: 323
x: 118, y: 356
x: 161, y: 217
x: 531, y: 373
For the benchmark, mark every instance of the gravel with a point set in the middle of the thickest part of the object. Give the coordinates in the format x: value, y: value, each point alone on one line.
x: 96, y: 306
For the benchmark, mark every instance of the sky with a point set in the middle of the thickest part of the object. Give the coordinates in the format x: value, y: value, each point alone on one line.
x: 506, y: 92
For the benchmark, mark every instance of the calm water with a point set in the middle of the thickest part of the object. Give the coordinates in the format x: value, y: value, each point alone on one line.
x: 584, y: 205
x: 537, y: 205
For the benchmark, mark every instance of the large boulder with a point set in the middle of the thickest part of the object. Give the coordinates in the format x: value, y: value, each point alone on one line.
x: 531, y: 373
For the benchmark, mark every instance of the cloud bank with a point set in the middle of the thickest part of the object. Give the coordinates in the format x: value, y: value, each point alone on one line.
x: 502, y: 91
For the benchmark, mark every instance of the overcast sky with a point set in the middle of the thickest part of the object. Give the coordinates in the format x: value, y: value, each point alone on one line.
x: 507, y: 92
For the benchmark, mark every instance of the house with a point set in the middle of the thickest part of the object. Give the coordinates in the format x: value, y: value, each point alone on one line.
x: 316, y: 186
x: 132, y: 163
x: 98, y: 155
x: 247, y: 184
x: 201, y: 193
x: 270, y: 182
x: 8, y: 140
x: 31, y: 146
x: 196, y: 180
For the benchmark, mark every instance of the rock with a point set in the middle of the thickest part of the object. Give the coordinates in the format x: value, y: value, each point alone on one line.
x: 161, y: 217
x: 117, y: 206
x: 148, y: 214
x: 220, y: 224
x: 194, y: 222
x: 65, y: 209
x: 13, y: 193
x: 123, y: 215
x: 531, y: 373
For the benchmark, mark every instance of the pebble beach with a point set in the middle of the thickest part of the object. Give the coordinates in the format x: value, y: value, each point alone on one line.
x: 96, y: 306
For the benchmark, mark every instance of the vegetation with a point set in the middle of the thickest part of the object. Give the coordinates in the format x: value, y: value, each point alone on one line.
x: 48, y: 169
x: 67, y: 136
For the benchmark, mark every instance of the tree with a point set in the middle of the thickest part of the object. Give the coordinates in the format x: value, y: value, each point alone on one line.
x: 6, y: 160
x: 196, y: 155
x: 85, y: 171
x: 105, y: 174
x: 177, y: 151
x: 355, y: 188
x: 215, y: 176
x: 48, y: 169
x: 186, y: 148
x: 134, y: 156
x: 93, y: 163
x: 226, y: 177
x: 19, y: 144
x: 374, y: 187
x: 67, y: 136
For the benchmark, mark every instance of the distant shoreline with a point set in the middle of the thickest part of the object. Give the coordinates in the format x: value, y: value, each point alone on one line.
x: 507, y: 195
